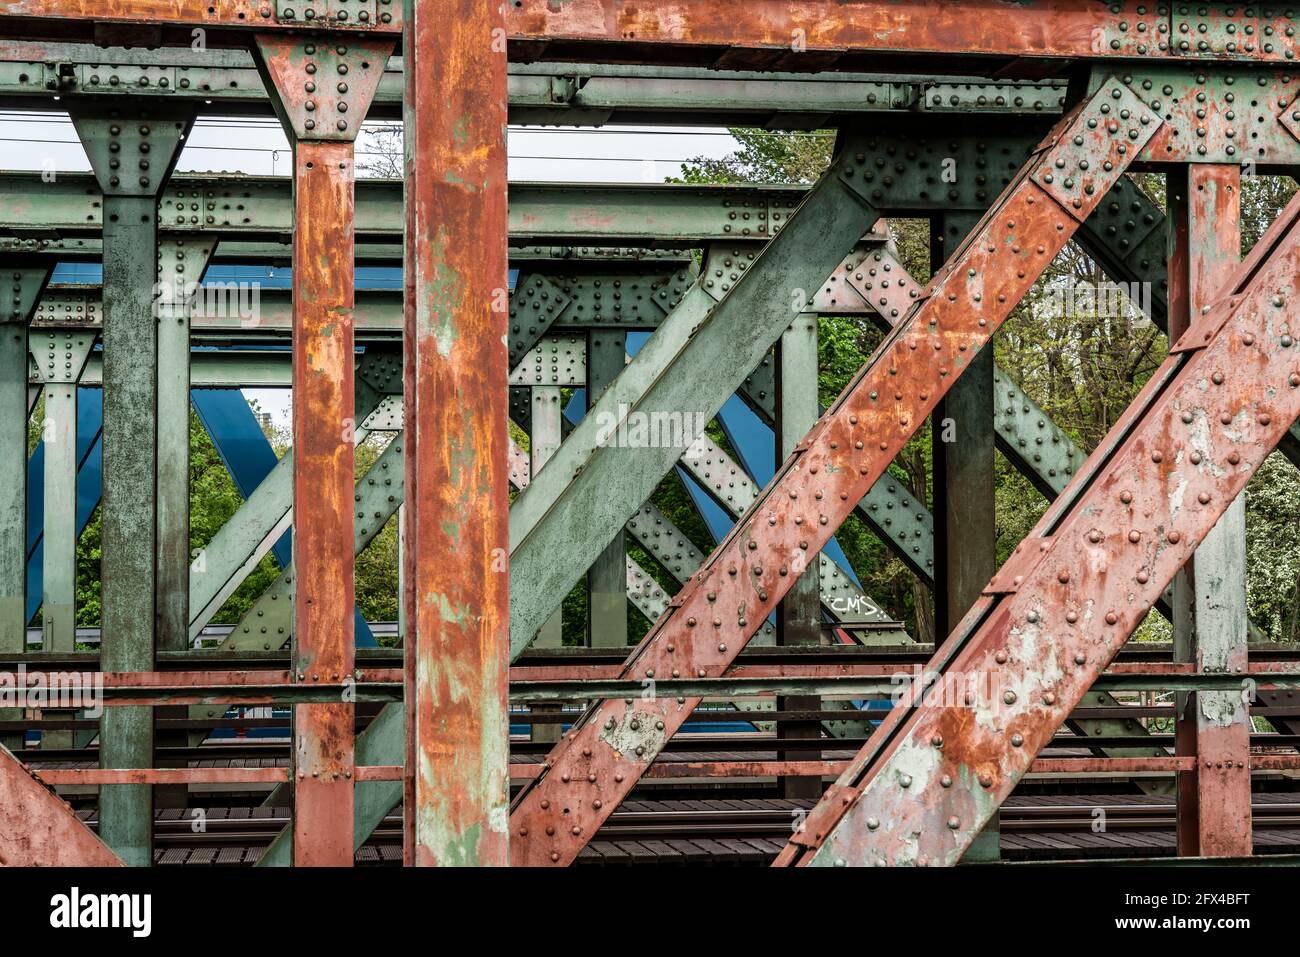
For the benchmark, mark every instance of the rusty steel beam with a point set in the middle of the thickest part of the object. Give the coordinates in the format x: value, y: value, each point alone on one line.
x: 189, y: 775
x: 39, y: 829
x: 796, y: 35
x: 455, y: 567
x: 713, y: 617
x: 1063, y: 605
x: 235, y: 14
x: 1214, y: 813
x: 818, y: 34
x: 833, y: 768
x: 322, y: 89
x: 817, y: 31
x: 324, y: 638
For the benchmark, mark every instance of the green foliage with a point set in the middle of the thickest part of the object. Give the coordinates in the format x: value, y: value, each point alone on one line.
x: 764, y: 157
x: 1273, y: 548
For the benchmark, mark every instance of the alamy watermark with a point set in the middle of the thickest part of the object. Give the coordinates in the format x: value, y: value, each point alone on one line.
x: 1103, y: 299
x: 78, y: 910
x: 214, y: 300
x: 986, y: 691
x: 53, y: 689
x: 628, y: 429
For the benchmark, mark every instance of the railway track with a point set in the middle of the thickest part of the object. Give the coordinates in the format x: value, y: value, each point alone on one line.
x: 752, y: 831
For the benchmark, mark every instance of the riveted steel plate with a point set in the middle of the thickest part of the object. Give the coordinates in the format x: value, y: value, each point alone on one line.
x: 556, y: 360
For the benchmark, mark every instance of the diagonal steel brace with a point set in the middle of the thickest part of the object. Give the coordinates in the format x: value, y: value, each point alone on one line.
x: 590, y: 772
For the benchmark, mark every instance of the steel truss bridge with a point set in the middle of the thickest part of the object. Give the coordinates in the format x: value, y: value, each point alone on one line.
x: 755, y: 722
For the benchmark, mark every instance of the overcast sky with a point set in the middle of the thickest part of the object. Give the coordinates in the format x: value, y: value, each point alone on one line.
x: 30, y: 141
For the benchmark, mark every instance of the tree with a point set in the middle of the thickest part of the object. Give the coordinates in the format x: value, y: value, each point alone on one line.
x: 382, y: 157
x: 764, y: 157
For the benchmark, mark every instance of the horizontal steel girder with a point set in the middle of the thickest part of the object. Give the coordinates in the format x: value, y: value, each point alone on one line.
x: 262, y: 206
x: 573, y: 94
x: 774, y: 34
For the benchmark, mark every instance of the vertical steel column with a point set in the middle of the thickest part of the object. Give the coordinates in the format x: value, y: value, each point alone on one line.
x: 546, y: 435
x: 59, y: 357
x: 457, y: 477
x: 324, y: 639
x: 132, y: 154
x: 59, y: 552
x: 963, y: 440
x: 1210, y: 626
x: 323, y: 87
x: 798, y: 619
x: 607, y: 577
x: 547, y: 423
x: 23, y: 286
x: 13, y: 485
x: 181, y: 264
x: 129, y: 510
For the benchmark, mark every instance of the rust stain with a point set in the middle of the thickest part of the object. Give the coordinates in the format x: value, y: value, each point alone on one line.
x: 457, y: 476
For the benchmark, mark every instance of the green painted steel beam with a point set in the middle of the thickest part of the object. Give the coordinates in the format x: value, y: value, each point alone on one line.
x: 545, y: 433
x: 238, y: 206
x: 132, y: 153
x: 551, y: 295
x: 22, y: 286
x: 181, y: 264
x: 218, y: 370
x: 1031, y: 441
x: 271, y: 252
x: 697, y: 358
x: 572, y: 94
x: 607, y: 575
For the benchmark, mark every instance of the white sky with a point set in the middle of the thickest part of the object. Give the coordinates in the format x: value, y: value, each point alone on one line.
x: 31, y: 141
